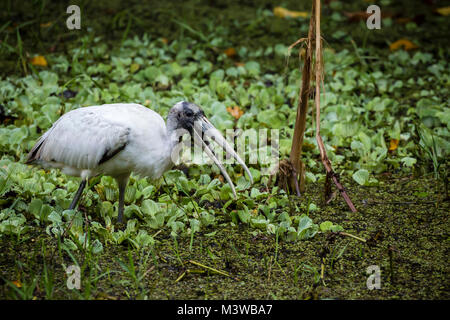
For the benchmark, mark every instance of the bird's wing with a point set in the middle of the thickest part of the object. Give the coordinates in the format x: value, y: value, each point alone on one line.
x: 81, y: 139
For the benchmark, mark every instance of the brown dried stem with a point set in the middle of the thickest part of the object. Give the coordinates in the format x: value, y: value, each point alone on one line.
x: 298, y: 168
x: 318, y: 75
x: 302, y: 109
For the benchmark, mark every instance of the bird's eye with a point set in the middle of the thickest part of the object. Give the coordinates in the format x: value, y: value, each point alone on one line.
x: 189, y: 113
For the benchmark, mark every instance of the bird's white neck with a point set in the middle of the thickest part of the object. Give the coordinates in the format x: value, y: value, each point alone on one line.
x: 174, y: 135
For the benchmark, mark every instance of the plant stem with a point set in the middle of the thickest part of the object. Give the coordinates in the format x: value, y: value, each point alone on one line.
x: 352, y: 236
x: 318, y: 76
x: 209, y: 268
x: 302, y: 110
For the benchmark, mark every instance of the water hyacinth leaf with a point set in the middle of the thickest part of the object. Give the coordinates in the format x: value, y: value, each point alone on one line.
x: 69, y: 245
x: 291, y: 234
x: 96, y: 247
x: 304, y: 223
x: 176, y: 226
x: 157, y: 221
x: 253, y: 68
x: 326, y: 226
x: 256, y: 194
x: 207, y: 219
x: 143, y: 239
x: 207, y: 197
x: 106, y: 208
x: 173, y: 176
x: 361, y: 176
x: 45, y: 212
x: 149, y: 207
x: 194, y: 225
x: 14, y: 224
x: 336, y: 228
x: 408, y: 161
x: 132, y: 210
x: 271, y: 118
x: 35, y: 207
x: 242, y: 184
x: 312, y: 207
x: 55, y: 218
x: 147, y: 192
x: 310, y: 177
x: 110, y: 194
x: 308, y: 233
x: 259, y: 223
x: 48, y: 187
x: 306, y: 228
x: 204, y: 179
x: 17, y: 135
x: 130, y: 194
x: 244, y: 215
x: 5, y: 181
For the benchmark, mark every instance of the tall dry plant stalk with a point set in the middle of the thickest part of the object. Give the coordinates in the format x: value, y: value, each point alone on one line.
x: 297, y: 168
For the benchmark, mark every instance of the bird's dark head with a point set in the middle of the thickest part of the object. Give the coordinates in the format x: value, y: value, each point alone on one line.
x: 184, y: 115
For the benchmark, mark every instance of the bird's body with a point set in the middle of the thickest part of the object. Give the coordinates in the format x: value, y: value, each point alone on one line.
x: 111, y: 139
x: 118, y: 139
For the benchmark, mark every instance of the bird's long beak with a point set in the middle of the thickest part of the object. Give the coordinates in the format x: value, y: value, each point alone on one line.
x: 203, y: 129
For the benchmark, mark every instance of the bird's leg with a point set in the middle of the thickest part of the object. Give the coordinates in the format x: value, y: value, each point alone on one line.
x: 122, y: 181
x: 78, y: 194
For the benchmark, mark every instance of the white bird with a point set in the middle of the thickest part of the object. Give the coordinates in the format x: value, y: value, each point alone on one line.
x: 117, y: 139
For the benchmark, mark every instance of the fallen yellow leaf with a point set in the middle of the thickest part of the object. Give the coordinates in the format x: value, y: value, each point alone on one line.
x: 405, y: 43
x: 239, y: 64
x: 46, y: 25
x: 393, y: 144
x: 230, y: 52
x: 445, y: 11
x: 17, y: 283
x: 38, y: 61
x: 235, y: 111
x: 283, y: 13
x: 134, y: 67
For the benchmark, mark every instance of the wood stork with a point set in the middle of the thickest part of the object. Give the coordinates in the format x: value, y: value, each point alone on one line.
x: 117, y: 139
